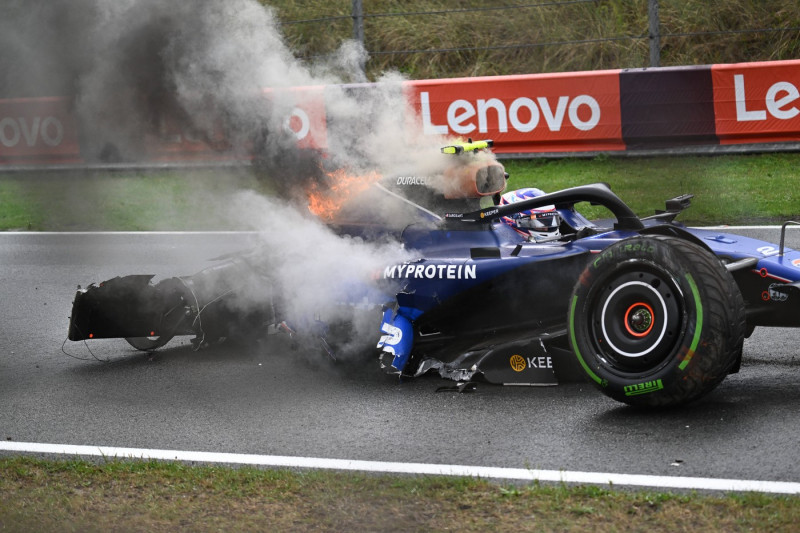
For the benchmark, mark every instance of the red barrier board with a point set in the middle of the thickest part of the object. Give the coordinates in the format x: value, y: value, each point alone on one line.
x: 175, y: 141
x: 558, y: 112
x: 578, y: 111
x: 306, y: 119
x: 757, y: 102
x: 38, y: 130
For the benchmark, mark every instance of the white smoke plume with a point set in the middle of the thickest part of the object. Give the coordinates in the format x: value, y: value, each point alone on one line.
x: 129, y: 63
x: 313, y: 271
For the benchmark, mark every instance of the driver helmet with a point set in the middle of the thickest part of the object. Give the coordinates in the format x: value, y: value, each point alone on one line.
x: 536, y: 224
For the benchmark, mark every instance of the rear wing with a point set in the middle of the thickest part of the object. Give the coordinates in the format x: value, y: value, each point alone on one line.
x: 674, y: 207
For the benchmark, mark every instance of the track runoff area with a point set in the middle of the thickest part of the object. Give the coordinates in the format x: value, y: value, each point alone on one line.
x: 428, y: 469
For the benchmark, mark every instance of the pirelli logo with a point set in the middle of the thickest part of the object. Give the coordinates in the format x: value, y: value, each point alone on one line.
x: 643, y: 388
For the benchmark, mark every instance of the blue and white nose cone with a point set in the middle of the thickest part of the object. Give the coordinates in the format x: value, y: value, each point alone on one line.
x: 396, y: 342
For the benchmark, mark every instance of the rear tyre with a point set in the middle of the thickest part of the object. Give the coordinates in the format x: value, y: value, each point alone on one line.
x: 656, y: 321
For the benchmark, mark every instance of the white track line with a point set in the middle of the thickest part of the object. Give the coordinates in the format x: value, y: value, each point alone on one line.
x: 486, y: 472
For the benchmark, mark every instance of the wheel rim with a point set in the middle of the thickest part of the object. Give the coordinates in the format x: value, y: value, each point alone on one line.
x: 636, y: 319
x: 639, y: 319
x: 148, y: 343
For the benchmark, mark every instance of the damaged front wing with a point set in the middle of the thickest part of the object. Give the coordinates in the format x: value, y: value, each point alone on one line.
x: 215, y: 303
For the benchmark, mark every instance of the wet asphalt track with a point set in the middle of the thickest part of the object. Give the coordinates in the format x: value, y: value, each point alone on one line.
x: 271, y: 400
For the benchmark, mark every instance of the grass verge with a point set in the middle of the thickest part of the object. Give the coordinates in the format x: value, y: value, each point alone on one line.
x: 729, y: 189
x: 478, y: 38
x: 163, y: 200
x: 67, y: 495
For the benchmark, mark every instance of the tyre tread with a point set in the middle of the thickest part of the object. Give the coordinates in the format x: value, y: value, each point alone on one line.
x: 724, y: 325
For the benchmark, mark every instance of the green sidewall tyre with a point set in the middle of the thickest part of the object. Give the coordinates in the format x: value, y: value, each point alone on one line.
x: 656, y: 321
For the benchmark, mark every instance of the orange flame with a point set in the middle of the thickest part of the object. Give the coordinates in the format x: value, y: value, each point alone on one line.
x: 325, y: 202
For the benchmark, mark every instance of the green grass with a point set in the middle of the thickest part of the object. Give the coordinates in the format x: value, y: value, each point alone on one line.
x: 75, y: 495
x: 121, y: 200
x: 729, y: 189
x: 19, y: 211
x: 525, y: 40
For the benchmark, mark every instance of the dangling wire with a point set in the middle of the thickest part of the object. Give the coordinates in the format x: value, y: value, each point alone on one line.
x: 197, y: 319
x: 195, y: 346
x: 65, y: 352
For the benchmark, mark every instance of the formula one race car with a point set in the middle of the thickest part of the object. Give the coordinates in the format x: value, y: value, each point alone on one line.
x: 525, y: 290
